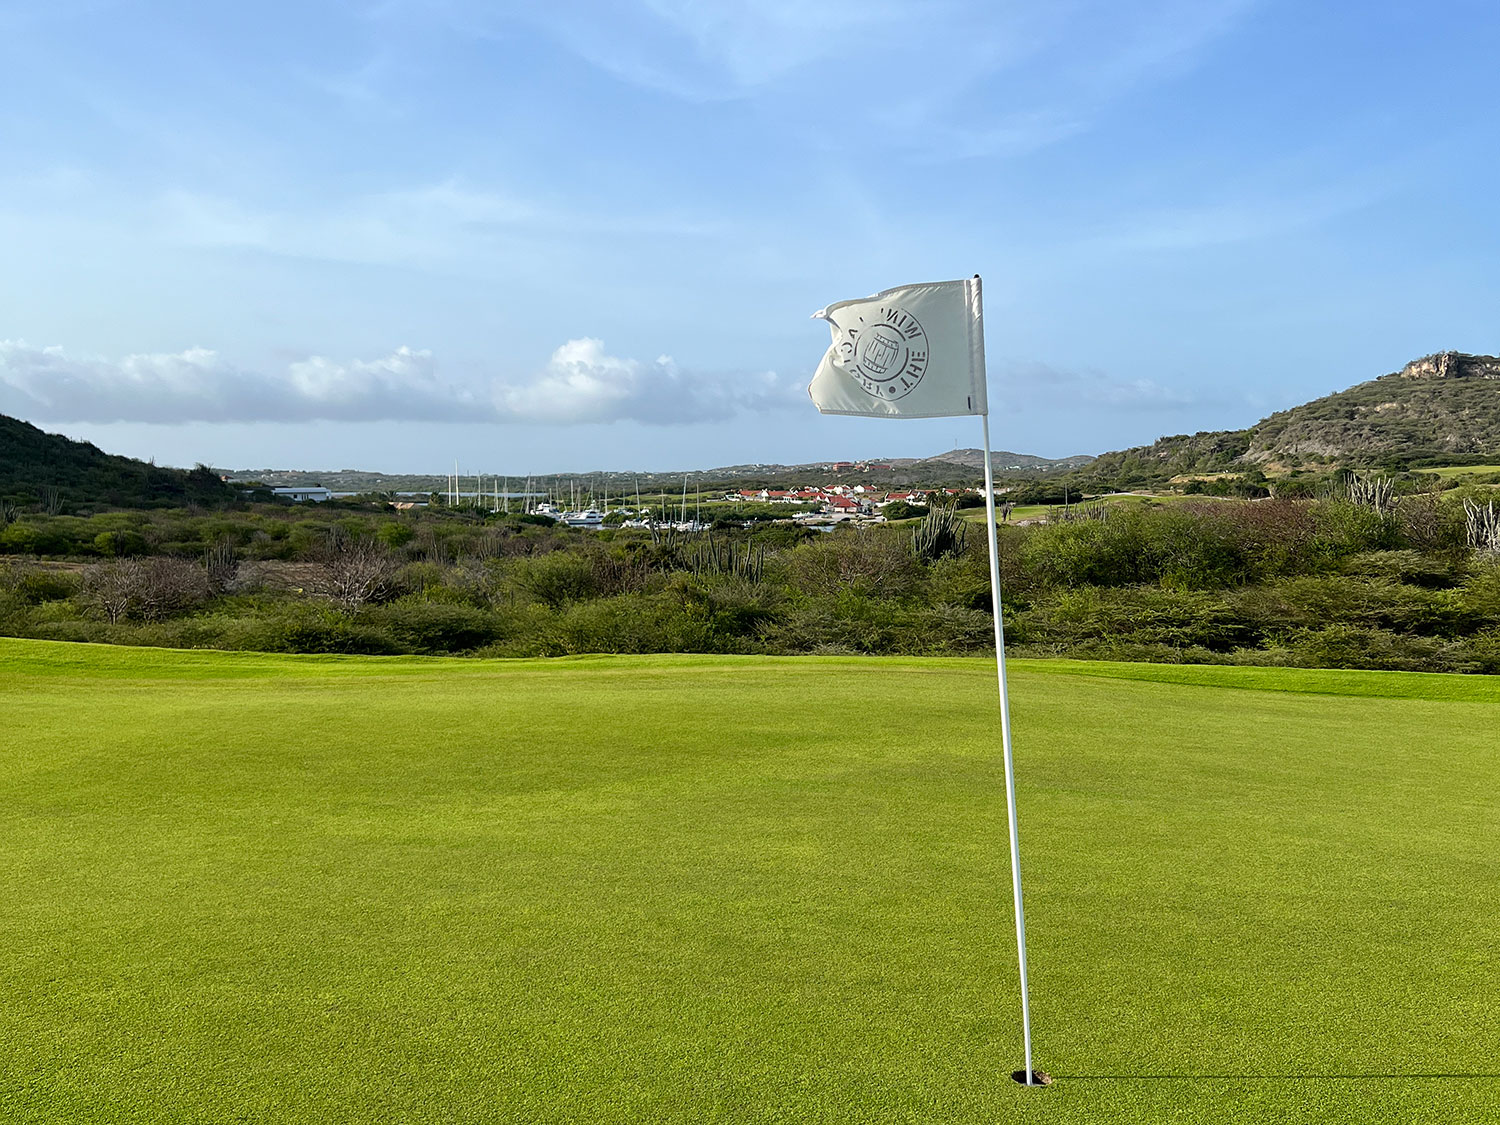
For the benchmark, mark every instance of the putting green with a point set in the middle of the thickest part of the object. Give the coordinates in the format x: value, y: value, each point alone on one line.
x: 692, y: 889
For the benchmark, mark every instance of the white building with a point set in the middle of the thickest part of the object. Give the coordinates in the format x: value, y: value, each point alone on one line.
x: 315, y: 493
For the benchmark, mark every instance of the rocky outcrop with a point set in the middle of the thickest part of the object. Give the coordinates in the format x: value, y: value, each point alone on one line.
x: 1438, y: 406
x: 1453, y: 365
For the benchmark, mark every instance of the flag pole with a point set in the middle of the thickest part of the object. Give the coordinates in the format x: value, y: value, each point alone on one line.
x: 1010, y: 772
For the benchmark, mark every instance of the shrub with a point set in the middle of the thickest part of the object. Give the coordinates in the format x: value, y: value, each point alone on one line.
x: 355, y: 570
x: 396, y: 535
x: 1192, y: 550
x: 1313, y: 602
x: 1141, y: 615
x: 429, y: 627
x: 872, y: 563
x: 1410, y: 568
x: 638, y: 623
x: 902, y: 510
x: 150, y: 589
x: 1429, y: 525
x: 33, y: 585
x: 725, y: 606
x: 1270, y: 537
x: 18, y: 539
x: 171, y: 587
x: 1479, y: 653
x: 962, y: 581
x: 556, y: 579
x: 120, y: 544
x: 1344, y: 529
x: 311, y: 627
x: 1350, y: 646
x: 1088, y: 553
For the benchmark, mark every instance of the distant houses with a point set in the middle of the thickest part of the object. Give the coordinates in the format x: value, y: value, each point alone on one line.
x: 315, y: 493
x: 857, y: 466
x: 842, y: 500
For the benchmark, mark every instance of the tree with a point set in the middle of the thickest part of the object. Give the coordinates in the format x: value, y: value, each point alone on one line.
x: 169, y: 587
x: 113, y: 588
x: 149, y: 589
x: 355, y: 570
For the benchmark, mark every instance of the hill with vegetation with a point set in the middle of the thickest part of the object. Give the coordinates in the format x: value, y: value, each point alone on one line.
x: 58, y: 473
x: 1005, y: 461
x: 954, y: 468
x: 1442, y: 408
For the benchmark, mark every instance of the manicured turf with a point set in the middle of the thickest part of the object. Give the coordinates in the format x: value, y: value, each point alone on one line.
x: 316, y: 889
x: 1463, y: 470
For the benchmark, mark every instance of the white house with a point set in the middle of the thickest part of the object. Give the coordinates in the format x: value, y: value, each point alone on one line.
x: 315, y: 493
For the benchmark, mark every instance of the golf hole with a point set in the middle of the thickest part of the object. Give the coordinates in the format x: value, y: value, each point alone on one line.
x: 1038, y: 1077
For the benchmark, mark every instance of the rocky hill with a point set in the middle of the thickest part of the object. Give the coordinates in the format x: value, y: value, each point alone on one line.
x: 1445, y: 405
x: 57, y: 473
x: 1005, y: 461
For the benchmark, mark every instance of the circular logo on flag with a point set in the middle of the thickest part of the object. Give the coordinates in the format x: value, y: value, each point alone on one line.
x: 886, y: 352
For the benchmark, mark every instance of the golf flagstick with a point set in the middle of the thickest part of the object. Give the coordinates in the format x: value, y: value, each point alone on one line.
x: 1010, y: 765
x: 917, y: 351
x: 1010, y: 771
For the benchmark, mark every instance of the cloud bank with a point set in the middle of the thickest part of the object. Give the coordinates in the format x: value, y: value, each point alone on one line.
x: 581, y: 382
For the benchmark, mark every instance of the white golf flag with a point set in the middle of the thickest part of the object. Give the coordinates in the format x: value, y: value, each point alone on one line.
x: 916, y: 351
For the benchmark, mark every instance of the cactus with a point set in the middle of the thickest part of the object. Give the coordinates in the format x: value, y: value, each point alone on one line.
x: 727, y: 558
x: 1483, y: 526
x: 1088, y: 510
x: 940, y: 533
x: 1374, y: 492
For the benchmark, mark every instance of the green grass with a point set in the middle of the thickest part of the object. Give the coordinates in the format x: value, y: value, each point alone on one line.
x: 1447, y: 471
x: 688, y: 889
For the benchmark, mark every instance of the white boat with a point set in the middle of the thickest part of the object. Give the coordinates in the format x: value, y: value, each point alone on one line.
x: 589, y: 517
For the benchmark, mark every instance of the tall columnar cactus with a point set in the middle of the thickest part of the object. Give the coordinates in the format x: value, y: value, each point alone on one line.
x: 1483, y: 528
x: 727, y: 558
x: 1372, y: 491
x: 941, y: 532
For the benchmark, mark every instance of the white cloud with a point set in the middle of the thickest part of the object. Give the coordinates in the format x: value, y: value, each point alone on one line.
x: 580, y: 383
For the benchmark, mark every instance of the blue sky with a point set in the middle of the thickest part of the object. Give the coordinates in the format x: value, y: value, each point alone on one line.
x: 540, y: 237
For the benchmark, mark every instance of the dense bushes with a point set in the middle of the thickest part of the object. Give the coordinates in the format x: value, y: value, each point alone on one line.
x: 1327, y: 583
x: 864, y: 564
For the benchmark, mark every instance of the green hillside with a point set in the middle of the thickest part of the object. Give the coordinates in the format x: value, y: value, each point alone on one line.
x: 1444, y: 406
x: 55, y: 472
